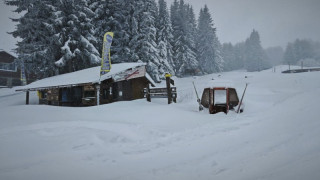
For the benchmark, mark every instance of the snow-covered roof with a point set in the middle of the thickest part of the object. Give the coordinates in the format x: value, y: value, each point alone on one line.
x: 85, y: 76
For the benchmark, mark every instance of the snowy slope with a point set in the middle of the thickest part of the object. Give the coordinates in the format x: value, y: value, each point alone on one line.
x: 277, y: 136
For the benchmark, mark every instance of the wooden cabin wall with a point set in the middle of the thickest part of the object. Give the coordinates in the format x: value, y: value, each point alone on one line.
x: 138, y: 85
x: 109, y: 92
x: 53, y: 97
x: 89, y: 101
x: 122, y: 91
x: 71, y: 96
x: 106, y: 94
x: 126, y: 88
x: 42, y: 97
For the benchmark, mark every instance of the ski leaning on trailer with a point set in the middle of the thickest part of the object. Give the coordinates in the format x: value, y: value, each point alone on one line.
x: 198, y: 99
x: 240, y: 103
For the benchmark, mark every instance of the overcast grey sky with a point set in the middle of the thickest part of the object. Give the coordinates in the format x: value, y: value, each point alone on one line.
x: 277, y: 21
x: 7, y: 42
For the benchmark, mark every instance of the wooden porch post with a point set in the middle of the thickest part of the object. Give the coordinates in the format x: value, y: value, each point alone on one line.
x: 148, y: 93
x: 27, y: 97
x: 169, y: 89
x: 98, y: 94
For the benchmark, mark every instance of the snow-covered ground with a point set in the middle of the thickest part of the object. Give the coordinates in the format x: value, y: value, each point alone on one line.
x: 277, y: 136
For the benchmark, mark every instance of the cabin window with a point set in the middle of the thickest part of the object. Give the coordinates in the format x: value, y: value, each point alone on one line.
x: 8, y: 67
x: 3, y: 82
x: 88, y: 94
x: 66, y: 95
x: 105, y: 93
x: 78, y: 93
x: 220, y: 96
x: 120, y: 93
x: 71, y: 95
x: 44, y: 94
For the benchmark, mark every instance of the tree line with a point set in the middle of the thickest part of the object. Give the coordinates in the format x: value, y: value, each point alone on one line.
x: 247, y: 55
x: 302, y: 50
x: 65, y: 36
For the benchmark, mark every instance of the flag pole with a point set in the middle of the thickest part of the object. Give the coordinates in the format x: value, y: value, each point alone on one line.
x: 23, y: 74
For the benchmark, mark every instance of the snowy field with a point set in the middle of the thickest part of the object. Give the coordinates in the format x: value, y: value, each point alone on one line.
x: 277, y: 137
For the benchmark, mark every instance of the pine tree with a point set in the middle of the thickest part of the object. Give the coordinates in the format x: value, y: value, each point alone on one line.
x: 209, y: 47
x: 229, y: 57
x: 233, y: 56
x: 132, y: 27
x: 191, y: 30
x: 275, y: 55
x: 120, y: 17
x: 36, y: 29
x: 240, y: 53
x: 164, y: 38
x: 300, y: 50
x: 174, y: 18
x: 101, y: 19
x: 218, y: 58
x: 76, y: 36
x: 255, y: 56
x: 143, y: 42
x: 184, y: 55
x: 55, y: 34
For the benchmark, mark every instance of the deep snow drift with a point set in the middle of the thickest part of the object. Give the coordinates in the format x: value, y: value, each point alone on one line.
x: 277, y: 136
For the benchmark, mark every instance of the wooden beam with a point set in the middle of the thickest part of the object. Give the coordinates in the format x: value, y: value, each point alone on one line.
x: 169, y: 89
x: 98, y: 94
x: 148, y: 93
x: 27, y: 97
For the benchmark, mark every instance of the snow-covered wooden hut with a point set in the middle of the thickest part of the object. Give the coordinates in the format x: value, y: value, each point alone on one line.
x: 125, y: 81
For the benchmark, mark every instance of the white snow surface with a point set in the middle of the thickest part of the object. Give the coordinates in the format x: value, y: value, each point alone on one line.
x: 277, y: 136
x: 90, y: 75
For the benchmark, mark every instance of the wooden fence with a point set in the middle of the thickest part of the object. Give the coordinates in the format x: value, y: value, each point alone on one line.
x: 166, y: 92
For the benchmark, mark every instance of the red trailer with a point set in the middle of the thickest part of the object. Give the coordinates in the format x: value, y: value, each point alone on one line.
x: 220, y: 99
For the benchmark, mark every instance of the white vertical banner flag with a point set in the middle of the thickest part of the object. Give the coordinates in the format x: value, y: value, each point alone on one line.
x: 106, y: 58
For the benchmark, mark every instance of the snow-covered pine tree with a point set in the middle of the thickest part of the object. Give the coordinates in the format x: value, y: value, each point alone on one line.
x: 228, y: 56
x: 36, y: 30
x: 299, y: 50
x: 164, y: 38
x: 275, y: 55
x: 143, y: 42
x: 192, y: 31
x: 218, y: 58
x: 132, y: 28
x: 55, y: 33
x: 233, y: 56
x: 129, y: 28
x: 76, y: 36
x: 209, y: 47
x: 174, y: 18
x: 100, y: 20
x: 255, y: 58
x: 184, y: 56
x: 112, y: 15
x: 239, y: 51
